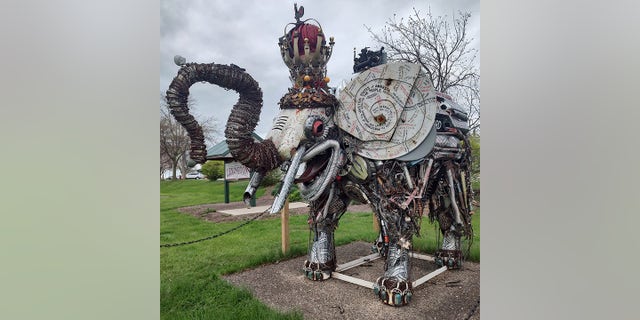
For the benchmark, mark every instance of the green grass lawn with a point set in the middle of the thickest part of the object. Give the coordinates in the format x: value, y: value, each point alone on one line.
x: 190, y: 284
x: 182, y: 193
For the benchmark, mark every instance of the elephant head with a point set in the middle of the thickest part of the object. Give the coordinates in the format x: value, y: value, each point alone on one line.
x: 304, y: 130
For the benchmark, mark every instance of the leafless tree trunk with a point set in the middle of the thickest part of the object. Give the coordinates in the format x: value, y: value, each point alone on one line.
x: 165, y: 163
x: 469, y: 97
x: 442, y: 47
x: 175, y: 142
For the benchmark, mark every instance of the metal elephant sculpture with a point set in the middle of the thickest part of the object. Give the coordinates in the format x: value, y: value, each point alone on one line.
x: 388, y: 139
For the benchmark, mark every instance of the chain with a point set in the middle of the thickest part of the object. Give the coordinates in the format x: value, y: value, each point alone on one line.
x: 215, y: 235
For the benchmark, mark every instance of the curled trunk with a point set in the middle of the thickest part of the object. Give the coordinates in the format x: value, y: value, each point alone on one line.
x: 242, y: 120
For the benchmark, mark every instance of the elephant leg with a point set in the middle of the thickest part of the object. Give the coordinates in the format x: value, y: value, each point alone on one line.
x: 450, y: 253
x: 322, y: 256
x: 323, y: 220
x: 452, y: 211
x: 394, y: 286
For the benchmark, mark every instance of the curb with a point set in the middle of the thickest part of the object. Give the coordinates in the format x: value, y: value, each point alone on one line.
x: 242, y: 211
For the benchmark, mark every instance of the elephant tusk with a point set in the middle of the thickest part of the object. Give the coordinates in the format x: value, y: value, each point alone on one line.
x: 313, y: 192
x: 287, y: 181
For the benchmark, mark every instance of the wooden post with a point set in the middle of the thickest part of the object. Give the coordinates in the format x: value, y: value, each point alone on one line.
x: 284, y: 220
x: 376, y: 223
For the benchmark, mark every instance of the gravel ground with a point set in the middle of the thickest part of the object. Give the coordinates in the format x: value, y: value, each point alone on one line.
x: 282, y: 286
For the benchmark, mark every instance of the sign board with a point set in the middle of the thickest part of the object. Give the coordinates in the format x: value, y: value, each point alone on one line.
x: 236, y: 171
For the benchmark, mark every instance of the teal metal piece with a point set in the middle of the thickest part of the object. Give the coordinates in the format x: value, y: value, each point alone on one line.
x: 397, y: 299
x: 408, y: 297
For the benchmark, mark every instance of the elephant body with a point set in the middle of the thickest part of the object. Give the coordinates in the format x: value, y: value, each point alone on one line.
x: 388, y: 139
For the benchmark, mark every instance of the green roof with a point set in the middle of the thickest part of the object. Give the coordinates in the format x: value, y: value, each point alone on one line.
x: 221, y: 150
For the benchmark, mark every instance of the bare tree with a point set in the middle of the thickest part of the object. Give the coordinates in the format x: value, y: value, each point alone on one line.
x: 469, y: 97
x: 165, y: 163
x: 442, y: 47
x: 175, y: 142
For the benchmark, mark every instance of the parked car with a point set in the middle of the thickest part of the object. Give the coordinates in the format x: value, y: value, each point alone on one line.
x: 194, y: 175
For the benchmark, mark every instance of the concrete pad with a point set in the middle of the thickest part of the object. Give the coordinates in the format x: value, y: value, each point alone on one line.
x: 453, y: 294
x: 258, y: 209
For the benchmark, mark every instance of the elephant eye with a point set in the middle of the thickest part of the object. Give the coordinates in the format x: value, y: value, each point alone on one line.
x: 315, y: 127
x: 318, y: 128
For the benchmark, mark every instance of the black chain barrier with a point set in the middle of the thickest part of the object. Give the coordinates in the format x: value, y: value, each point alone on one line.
x: 215, y: 235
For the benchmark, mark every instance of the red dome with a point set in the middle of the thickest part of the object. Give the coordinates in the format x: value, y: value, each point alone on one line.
x: 308, y: 31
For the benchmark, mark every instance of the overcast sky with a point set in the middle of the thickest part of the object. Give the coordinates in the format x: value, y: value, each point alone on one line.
x: 246, y: 33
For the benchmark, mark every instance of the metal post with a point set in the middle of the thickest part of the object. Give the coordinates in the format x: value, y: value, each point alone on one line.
x: 226, y: 184
x: 226, y: 191
x: 252, y: 202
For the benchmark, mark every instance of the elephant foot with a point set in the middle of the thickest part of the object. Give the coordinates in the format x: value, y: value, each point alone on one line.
x: 322, y: 257
x: 393, y: 291
x: 318, y: 271
x: 394, y: 287
x: 450, y: 258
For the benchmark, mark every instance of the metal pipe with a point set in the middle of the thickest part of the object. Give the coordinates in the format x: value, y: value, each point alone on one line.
x: 412, y: 196
x: 287, y: 181
x: 313, y: 192
x: 425, y: 179
x: 329, y: 174
x: 407, y: 176
x: 446, y: 149
x: 452, y: 196
x: 316, y: 150
x: 254, y: 183
x: 325, y: 210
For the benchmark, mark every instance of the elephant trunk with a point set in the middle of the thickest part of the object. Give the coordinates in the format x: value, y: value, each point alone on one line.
x: 242, y: 120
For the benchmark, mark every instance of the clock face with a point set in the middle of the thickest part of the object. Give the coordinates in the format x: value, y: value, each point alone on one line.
x: 390, y: 108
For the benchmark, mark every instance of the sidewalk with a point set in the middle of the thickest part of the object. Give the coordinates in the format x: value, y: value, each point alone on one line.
x: 258, y: 209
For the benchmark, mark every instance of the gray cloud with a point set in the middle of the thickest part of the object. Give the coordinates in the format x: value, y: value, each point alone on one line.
x: 246, y: 32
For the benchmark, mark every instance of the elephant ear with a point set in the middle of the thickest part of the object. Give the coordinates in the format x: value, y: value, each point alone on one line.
x: 391, y: 109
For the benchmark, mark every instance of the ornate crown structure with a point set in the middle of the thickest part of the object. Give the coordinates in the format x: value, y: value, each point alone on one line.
x: 305, y: 51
